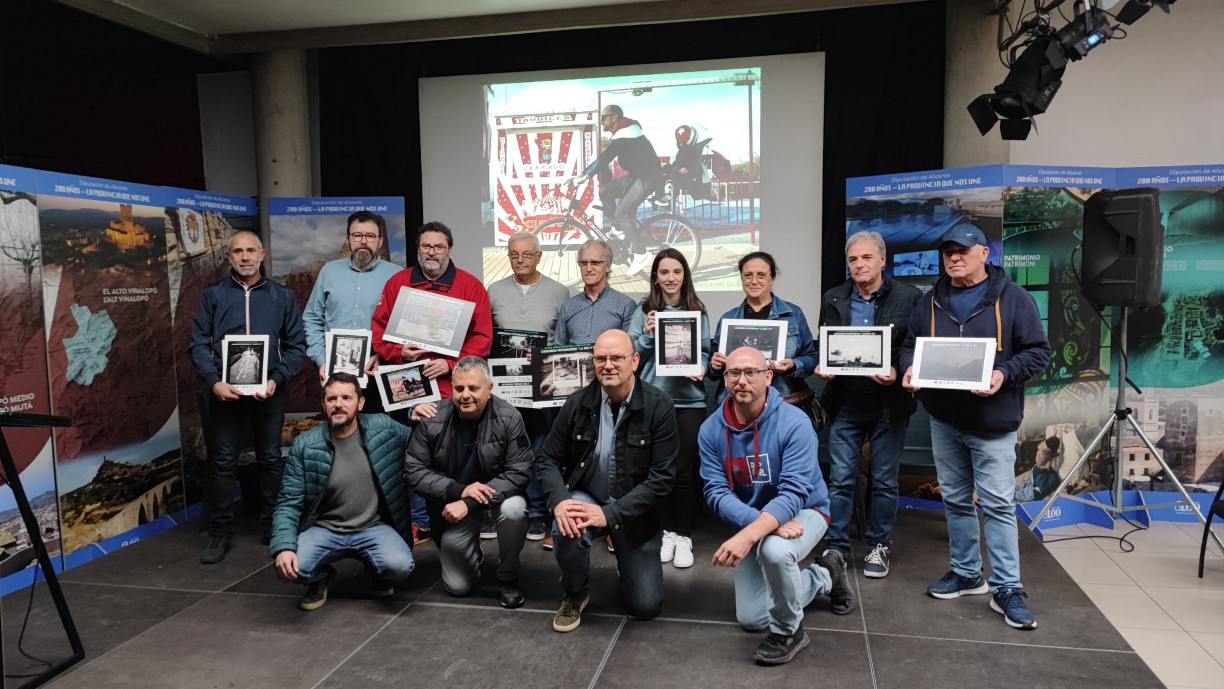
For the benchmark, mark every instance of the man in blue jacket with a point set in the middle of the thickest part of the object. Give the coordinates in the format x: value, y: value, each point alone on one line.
x: 344, y: 496
x: 758, y: 462
x: 244, y: 303
x: 973, y: 434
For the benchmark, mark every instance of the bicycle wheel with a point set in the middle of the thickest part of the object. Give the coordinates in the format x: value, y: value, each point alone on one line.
x: 668, y: 230
x: 556, y: 231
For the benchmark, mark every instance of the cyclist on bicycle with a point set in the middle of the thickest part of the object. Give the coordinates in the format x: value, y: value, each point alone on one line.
x: 628, y: 146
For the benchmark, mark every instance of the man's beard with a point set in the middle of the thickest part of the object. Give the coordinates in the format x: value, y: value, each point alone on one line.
x: 362, y: 258
x: 341, y: 425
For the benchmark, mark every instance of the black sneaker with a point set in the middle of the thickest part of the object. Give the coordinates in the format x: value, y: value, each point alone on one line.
x: 381, y: 588
x: 488, y: 527
x: 537, y: 529
x: 316, y: 593
x: 778, y: 649
x: 841, y: 598
x: 509, y: 595
x: 1010, y: 604
x: 215, y: 550
x: 953, y: 585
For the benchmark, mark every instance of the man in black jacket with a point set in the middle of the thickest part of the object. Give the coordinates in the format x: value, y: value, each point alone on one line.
x: 608, y: 459
x: 469, y: 456
x: 873, y: 408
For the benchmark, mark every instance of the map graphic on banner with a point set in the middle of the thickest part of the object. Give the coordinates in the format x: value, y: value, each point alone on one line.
x: 304, y: 234
x: 111, y: 354
x: 23, y: 374
x: 198, y: 227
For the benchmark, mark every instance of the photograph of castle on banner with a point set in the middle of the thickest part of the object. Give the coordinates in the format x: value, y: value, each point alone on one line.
x: 105, y: 279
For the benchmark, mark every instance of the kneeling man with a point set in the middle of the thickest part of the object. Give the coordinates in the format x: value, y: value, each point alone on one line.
x: 758, y: 462
x: 473, y: 457
x: 343, y: 495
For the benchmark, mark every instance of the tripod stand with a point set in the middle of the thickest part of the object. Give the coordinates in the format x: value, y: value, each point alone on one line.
x: 1117, y: 423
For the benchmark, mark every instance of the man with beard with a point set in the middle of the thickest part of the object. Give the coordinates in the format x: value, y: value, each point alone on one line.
x: 346, y: 291
x: 244, y: 303
x: 435, y: 272
x: 344, y: 495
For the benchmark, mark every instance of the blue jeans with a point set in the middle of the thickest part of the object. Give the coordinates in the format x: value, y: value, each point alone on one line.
x: 228, y: 420
x: 459, y: 546
x: 537, y: 423
x: 855, y: 424
x: 771, y: 590
x: 965, y: 460
x: 641, y: 572
x: 385, y: 554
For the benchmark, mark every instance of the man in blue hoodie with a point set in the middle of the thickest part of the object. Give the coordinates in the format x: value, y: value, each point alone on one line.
x: 758, y: 462
x: 973, y: 434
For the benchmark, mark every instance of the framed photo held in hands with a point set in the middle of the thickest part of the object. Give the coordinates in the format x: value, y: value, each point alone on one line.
x: 244, y: 361
x: 767, y: 337
x: 347, y: 351
x: 677, y: 343
x: 406, y: 385
x: 856, y: 351
x: 954, y: 363
x: 429, y: 320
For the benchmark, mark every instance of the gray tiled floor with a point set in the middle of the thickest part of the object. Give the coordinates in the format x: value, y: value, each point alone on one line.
x: 151, y: 616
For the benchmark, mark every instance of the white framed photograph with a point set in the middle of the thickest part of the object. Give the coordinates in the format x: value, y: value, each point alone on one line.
x: 767, y: 337
x: 347, y: 351
x: 856, y: 351
x: 244, y: 361
x: 677, y: 343
x: 954, y: 363
x: 429, y: 320
x: 515, y: 344
x: 562, y: 371
x: 406, y: 385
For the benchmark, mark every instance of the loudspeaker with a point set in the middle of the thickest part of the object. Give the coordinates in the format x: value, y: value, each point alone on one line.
x: 1123, y: 250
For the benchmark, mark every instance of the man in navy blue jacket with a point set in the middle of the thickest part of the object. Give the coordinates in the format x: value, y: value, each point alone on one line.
x: 973, y: 434
x: 244, y: 303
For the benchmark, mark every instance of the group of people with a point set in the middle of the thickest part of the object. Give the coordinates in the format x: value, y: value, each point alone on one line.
x: 629, y: 460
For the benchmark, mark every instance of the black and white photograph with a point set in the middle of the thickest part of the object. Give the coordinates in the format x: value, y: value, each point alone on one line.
x: 767, y: 337
x: 956, y: 363
x: 677, y: 350
x: 856, y: 351
x: 511, y: 377
x: 562, y: 371
x: 245, y: 364
x: 429, y: 320
x: 347, y: 352
x: 516, y: 344
x: 405, y: 385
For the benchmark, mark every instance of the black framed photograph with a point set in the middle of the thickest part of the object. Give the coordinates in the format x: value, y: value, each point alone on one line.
x: 767, y: 337
x: 429, y: 320
x: 856, y: 351
x: 955, y: 363
x: 346, y: 351
x: 516, y: 344
x: 244, y: 361
x: 677, y: 343
x: 406, y: 385
x: 561, y: 371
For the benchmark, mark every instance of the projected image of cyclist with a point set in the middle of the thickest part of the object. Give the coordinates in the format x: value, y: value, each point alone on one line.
x: 629, y: 148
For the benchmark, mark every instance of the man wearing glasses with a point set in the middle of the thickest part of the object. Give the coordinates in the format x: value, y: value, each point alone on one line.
x: 606, y: 463
x: 346, y: 291
x: 758, y: 462
x: 598, y: 308
x: 435, y: 272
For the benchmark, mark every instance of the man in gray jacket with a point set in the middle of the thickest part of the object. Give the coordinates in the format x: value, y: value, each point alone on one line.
x: 470, y: 455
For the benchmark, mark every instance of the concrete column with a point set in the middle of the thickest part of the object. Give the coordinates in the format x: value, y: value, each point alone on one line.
x: 282, y: 127
x: 972, y: 68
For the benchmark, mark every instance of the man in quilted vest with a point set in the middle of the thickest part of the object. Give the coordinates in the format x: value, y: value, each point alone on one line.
x: 343, y: 495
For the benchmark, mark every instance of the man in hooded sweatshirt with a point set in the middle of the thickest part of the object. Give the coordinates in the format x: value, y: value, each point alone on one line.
x: 758, y: 462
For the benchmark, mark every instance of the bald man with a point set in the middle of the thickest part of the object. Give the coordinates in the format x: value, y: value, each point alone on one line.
x: 758, y: 462
x: 606, y: 463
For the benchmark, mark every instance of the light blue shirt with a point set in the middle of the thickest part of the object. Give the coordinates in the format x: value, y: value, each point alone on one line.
x: 581, y: 320
x: 862, y: 311
x: 343, y: 298
x: 604, y: 476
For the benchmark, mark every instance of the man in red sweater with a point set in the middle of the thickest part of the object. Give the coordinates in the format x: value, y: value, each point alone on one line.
x: 435, y: 273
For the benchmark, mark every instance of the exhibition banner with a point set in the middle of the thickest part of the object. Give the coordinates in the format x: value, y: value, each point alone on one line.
x: 110, y: 354
x: 23, y: 377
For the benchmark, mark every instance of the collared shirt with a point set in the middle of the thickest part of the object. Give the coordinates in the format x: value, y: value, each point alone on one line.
x: 581, y: 320
x: 862, y: 310
x: 534, y: 308
x: 343, y: 297
x: 604, y: 476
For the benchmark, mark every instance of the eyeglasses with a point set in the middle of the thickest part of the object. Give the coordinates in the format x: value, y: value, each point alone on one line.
x: 526, y: 255
x: 749, y: 374
x: 588, y: 263
x: 432, y: 248
x: 362, y: 236
x: 754, y: 277
x: 615, y: 359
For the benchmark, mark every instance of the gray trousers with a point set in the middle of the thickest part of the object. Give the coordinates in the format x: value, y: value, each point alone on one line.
x: 459, y: 546
x: 626, y: 211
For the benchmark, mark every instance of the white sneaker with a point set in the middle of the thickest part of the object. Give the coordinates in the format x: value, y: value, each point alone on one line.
x: 684, y: 552
x: 615, y: 234
x: 641, y: 262
x: 668, y: 551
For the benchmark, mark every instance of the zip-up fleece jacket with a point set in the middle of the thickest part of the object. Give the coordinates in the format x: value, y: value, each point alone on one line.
x: 1007, y: 313
x: 770, y: 465
x: 230, y: 307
